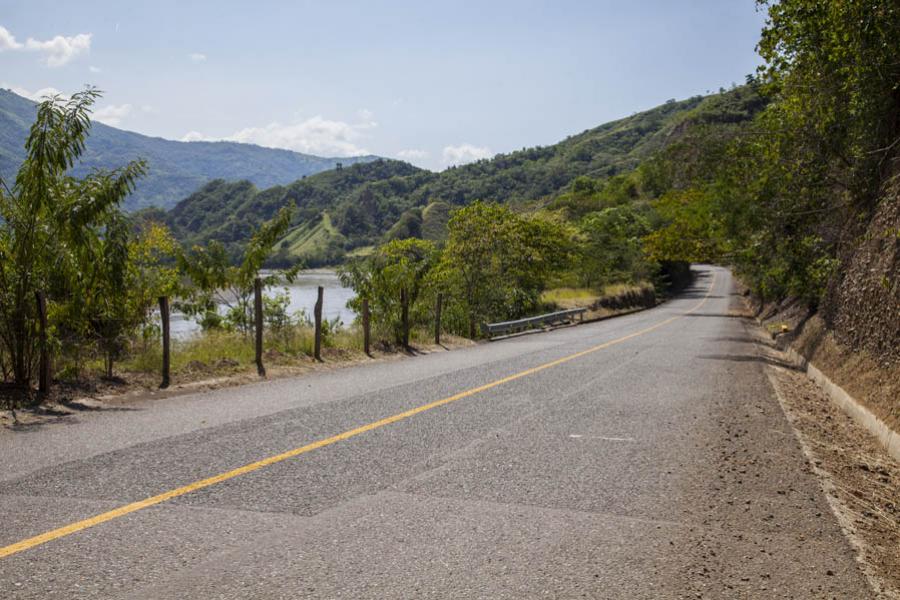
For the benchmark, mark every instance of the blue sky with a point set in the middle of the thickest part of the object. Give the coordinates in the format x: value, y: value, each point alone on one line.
x: 434, y: 83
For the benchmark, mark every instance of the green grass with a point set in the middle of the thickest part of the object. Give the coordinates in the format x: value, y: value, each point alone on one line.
x: 231, y: 351
x: 434, y: 221
x: 309, y: 239
x: 361, y: 252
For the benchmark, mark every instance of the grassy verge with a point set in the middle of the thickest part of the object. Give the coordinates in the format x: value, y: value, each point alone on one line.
x: 568, y: 297
x: 212, y: 355
x: 228, y: 351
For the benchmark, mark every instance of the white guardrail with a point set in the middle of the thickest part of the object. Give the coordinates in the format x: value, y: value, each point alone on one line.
x: 554, y: 318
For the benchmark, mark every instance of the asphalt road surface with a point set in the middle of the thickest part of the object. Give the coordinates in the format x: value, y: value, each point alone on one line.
x: 640, y: 457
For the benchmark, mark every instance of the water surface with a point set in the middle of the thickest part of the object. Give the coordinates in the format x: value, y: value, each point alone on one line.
x: 303, y: 298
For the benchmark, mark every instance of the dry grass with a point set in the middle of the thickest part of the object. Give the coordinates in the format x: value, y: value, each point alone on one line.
x: 875, y: 385
x: 220, y: 352
x: 569, y: 297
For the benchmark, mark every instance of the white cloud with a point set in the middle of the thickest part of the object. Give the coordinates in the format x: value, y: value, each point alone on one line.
x: 152, y: 110
x: 464, y: 153
x: 197, y: 57
x: 61, y: 49
x: 8, y: 40
x: 94, y: 69
x: 195, y: 136
x: 313, y: 136
x: 37, y: 96
x: 112, y: 114
x: 57, y: 51
x: 317, y: 135
x: 412, y: 154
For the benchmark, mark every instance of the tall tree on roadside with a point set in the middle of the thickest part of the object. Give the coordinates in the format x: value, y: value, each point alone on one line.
x: 47, y: 220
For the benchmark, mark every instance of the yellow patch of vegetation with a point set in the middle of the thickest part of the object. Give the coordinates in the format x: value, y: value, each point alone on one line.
x: 572, y: 297
x: 361, y: 252
x: 567, y: 297
x: 618, y: 289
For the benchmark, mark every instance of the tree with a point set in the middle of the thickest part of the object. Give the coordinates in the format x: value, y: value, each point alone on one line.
x: 611, y: 248
x: 53, y: 224
x: 496, y: 262
x: 781, y: 196
x: 395, y: 268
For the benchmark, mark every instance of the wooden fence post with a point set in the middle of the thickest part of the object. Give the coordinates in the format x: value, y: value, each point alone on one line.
x: 437, y: 319
x: 317, y: 312
x: 44, y: 365
x: 404, y: 317
x: 366, y: 330
x: 166, y: 341
x: 258, y: 318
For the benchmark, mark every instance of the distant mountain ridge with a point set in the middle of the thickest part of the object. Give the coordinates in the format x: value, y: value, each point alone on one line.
x: 175, y: 169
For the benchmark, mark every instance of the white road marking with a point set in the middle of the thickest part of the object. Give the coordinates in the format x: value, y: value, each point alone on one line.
x: 601, y: 437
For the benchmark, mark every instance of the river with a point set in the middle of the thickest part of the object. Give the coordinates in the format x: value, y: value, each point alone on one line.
x: 303, y: 297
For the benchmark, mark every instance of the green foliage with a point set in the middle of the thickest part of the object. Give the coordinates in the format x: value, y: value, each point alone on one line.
x: 63, y: 236
x: 834, y: 67
x: 397, y: 267
x: 779, y: 195
x: 408, y: 226
x: 382, y: 200
x: 496, y: 263
x: 435, y: 217
x: 691, y: 232
x: 335, y: 211
x: 612, y: 246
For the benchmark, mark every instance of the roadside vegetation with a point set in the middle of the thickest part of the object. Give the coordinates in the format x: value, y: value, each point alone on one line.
x: 779, y: 178
x: 785, y: 195
x: 80, y: 279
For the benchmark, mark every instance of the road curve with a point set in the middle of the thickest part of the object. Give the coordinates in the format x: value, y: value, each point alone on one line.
x: 640, y: 457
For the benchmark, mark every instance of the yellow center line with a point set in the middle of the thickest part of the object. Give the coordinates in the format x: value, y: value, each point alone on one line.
x: 249, y: 468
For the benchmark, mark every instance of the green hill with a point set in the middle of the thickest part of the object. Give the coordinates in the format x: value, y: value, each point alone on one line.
x: 176, y: 169
x: 370, y: 202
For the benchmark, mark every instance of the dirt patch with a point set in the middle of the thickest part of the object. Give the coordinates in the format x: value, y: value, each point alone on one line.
x: 860, y: 480
x: 869, y: 378
x: 862, y: 306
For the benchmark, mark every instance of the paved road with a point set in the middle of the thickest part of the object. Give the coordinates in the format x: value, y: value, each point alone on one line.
x: 655, y: 463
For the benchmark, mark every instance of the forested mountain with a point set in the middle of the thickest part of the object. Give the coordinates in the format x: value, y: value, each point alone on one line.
x: 175, y: 169
x: 363, y: 204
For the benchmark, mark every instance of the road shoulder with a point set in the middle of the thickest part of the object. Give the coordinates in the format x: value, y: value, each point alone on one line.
x: 859, y: 479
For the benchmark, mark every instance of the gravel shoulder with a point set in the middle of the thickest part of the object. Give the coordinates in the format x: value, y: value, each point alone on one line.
x: 859, y: 479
